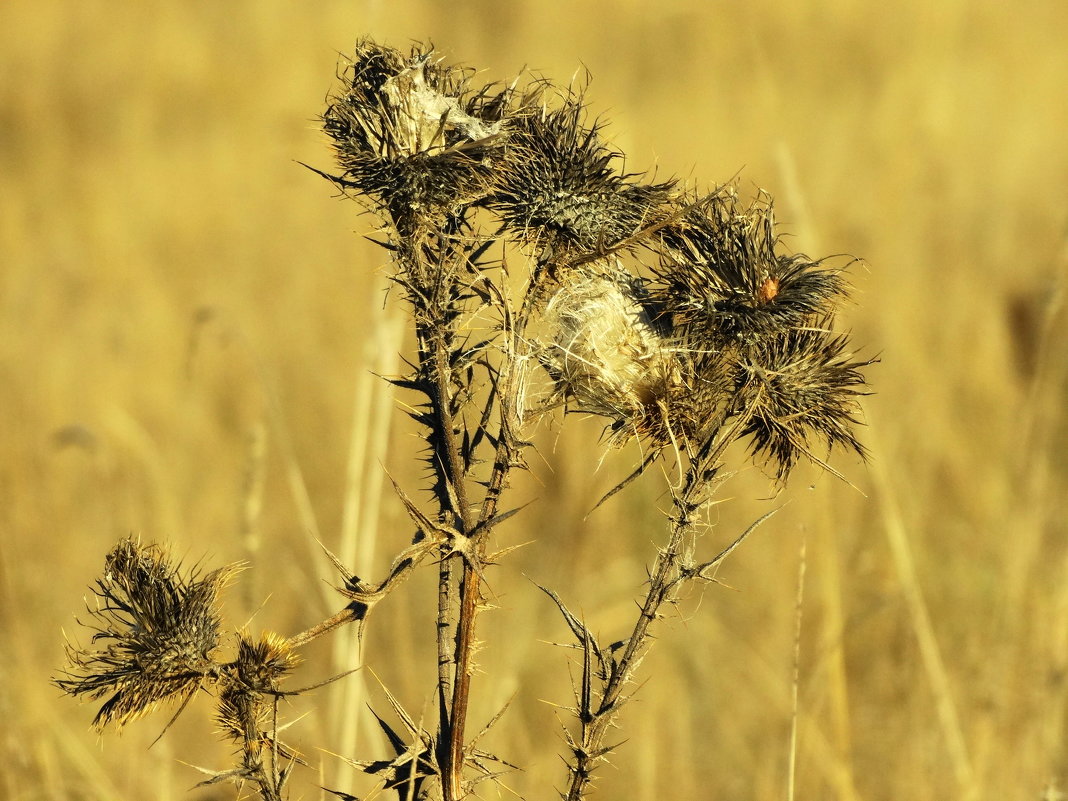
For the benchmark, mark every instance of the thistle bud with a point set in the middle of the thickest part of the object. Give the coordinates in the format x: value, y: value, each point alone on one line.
x: 249, y: 687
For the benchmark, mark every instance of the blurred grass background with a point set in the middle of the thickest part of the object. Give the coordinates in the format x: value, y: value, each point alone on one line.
x: 177, y: 293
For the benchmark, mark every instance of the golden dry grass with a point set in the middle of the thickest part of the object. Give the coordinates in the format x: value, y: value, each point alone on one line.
x: 171, y: 281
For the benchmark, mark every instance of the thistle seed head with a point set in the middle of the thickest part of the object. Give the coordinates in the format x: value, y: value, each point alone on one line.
x: 156, y: 631
x: 605, y: 353
x: 405, y: 135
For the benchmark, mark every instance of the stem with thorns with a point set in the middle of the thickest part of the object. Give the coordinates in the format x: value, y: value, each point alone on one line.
x: 436, y: 366
x: 505, y: 390
x: 673, y: 568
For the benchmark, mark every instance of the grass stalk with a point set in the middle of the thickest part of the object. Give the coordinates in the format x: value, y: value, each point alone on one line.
x: 930, y: 651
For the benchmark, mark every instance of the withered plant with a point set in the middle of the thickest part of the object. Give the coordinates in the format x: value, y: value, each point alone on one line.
x: 676, y: 316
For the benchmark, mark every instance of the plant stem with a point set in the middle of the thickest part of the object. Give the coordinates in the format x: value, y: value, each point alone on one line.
x: 446, y: 655
x: 666, y: 578
x: 452, y: 477
x: 470, y: 592
x: 347, y: 615
x: 470, y: 588
x: 453, y: 673
x: 663, y: 588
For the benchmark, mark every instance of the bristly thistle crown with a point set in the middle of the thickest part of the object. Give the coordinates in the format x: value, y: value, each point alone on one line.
x: 711, y: 322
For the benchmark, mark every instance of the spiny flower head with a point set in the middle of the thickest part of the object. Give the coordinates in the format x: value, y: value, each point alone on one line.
x: 724, y: 280
x: 559, y: 185
x: 800, y: 386
x: 407, y: 136
x: 156, y: 631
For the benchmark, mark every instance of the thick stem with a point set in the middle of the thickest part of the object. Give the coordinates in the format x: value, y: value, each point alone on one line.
x: 446, y: 654
x: 456, y: 617
x: 470, y: 588
x: 452, y: 714
x: 504, y: 460
x: 470, y: 592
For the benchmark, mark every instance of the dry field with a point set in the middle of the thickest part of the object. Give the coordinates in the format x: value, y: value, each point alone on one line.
x: 185, y: 311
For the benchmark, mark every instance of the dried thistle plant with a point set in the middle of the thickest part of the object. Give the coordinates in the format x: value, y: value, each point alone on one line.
x: 677, y: 317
